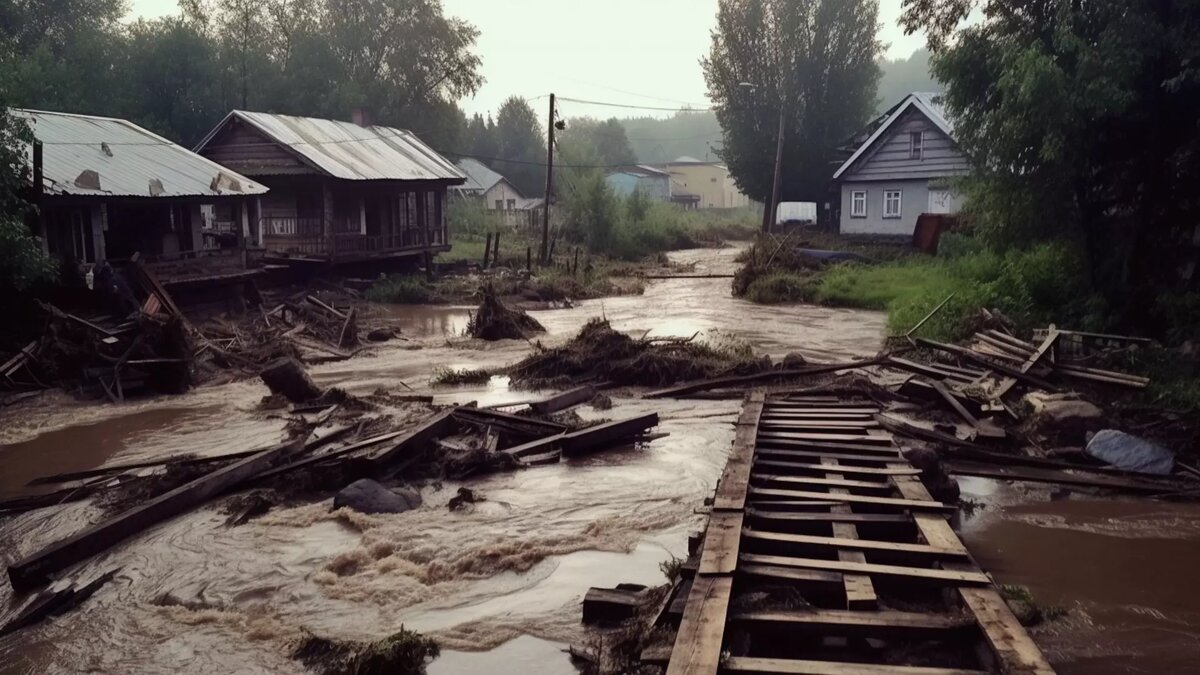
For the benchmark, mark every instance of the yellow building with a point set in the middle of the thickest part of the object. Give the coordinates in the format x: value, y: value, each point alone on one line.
x: 704, y: 185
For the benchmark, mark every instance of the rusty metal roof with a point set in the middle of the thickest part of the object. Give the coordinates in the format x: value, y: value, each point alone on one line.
x: 349, y: 151
x: 105, y: 156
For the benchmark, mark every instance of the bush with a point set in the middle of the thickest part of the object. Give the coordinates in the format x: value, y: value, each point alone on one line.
x: 402, y: 290
x: 779, y: 287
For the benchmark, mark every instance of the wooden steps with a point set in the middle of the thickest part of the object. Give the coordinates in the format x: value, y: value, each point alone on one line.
x: 816, y: 498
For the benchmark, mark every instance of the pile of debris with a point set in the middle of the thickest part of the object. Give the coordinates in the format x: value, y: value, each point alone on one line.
x: 600, y: 354
x: 494, y: 321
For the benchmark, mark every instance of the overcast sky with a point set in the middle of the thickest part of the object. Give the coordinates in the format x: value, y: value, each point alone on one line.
x: 639, y: 52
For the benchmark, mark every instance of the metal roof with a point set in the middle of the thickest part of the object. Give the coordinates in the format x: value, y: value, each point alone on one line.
x: 480, y: 177
x: 929, y: 103
x: 347, y: 150
x: 127, y: 160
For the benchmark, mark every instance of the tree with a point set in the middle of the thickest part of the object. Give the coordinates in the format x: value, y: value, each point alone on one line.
x: 815, y: 60
x: 607, y: 137
x: 482, y: 141
x: 658, y: 141
x: 176, y: 69
x: 1080, y: 120
x: 521, y: 146
x: 901, y: 77
x: 22, y: 261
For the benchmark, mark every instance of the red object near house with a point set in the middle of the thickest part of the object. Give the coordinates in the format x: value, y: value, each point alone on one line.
x: 930, y: 227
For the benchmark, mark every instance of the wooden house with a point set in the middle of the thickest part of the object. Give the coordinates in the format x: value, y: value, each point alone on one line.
x: 110, y: 189
x: 904, y: 168
x: 340, y: 192
x: 498, y: 195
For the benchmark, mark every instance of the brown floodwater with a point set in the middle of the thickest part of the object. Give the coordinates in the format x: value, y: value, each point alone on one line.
x: 499, y: 585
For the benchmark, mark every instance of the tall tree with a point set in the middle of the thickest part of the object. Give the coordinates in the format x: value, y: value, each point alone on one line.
x: 176, y: 70
x: 1081, y: 121
x: 607, y: 137
x: 522, y: 147
x: 813, y: 59
x: 22, y: 261
x: 657, y: 141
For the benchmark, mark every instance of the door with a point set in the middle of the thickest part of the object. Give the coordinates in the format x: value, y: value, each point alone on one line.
x: 942, y: 200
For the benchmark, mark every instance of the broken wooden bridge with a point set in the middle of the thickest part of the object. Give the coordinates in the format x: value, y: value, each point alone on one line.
x: 825, y: 553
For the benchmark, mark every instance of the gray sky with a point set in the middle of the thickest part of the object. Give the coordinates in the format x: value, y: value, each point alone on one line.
x: 640, y: 52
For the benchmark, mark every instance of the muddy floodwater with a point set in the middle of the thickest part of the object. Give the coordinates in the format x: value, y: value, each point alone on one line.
x: 499, y: 586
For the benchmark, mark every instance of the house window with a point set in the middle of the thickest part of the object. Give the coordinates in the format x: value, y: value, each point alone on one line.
x: 858, y: 204
x: 916, y: 144
x: 512, y: 205
x: 499, y: 205
x: 891, y: 203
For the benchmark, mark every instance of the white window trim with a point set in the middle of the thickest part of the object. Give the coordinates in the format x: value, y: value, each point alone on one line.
x: 899, y: 203
x: 916, y: 150
x: 853, y: 195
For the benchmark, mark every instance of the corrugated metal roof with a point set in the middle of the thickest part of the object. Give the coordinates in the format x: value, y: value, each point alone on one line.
x: 128, y: 160
x: 480, y: 178
x: 347, y: 150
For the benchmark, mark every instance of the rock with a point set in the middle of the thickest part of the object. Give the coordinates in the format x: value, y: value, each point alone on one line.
x: 1063, y: 416
x: 287, y: 377
x: 368, y: 496
x: 1131, y: 453
x: 381, y: 334
x: 465, y: 496
x: 794, y: 360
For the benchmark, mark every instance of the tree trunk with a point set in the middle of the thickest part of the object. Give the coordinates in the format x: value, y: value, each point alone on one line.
x: 286, y: 376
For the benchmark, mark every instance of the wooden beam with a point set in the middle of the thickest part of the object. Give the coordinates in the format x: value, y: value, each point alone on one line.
x: 1041, y: 351
x: 832, y: 426
x: 842, y: 623
x: 735, y: 479
x: 820, y: 467
x: 721, y: 543
x: 951, y: 577
x: 847, y: 544
x: 912, y: 504
x: 818, y: 453
x: 747, y: 664
x: 591, y: 438
x: 426, y: 433
x: 822, y: 482
x: 792, y: 574
x: 738, y: 380
x: 990, y: 364
x: 534, y: 426
x: 701, y: 634
x: 566, y: 399
x: 1036, y: 475
x: 36, y: 568
x: 799, y: 517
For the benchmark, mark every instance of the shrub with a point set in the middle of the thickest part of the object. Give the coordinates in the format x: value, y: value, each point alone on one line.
x: 402, y: 290
x: 779, y: 287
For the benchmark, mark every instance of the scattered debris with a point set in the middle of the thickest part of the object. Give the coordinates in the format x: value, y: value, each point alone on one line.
x: 1129, y: 452
x: 287, y: 377
x: 465, y: 496
x: 403, y: 653
x: 494, y: 321
x: 368, y: 496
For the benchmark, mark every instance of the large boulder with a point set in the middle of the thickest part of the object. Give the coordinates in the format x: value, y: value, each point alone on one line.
x: 1063, y: 417
x: 368, y: 496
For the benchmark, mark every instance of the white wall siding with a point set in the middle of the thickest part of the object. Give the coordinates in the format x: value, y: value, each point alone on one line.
x: 889, y: 158
x: 914, y: 202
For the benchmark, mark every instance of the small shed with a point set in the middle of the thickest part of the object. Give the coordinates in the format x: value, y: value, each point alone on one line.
x: 111, y: 189
x: 654, y: 183
x: 341, y: 192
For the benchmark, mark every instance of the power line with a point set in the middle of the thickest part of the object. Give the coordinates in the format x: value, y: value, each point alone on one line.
x: 541, y: 164
x: 633, y: 107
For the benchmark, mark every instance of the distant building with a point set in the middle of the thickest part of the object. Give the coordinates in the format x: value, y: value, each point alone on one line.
x: 654, y: 183
x: 340, y: 191
x: 498, y: 194
x: 111, y: 189
x: 903, y: 169
x: 705, y: 185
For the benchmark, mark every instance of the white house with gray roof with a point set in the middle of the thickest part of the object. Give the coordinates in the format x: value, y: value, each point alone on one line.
x: 903, y: 169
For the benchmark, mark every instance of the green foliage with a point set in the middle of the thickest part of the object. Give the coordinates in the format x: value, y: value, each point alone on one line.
x: 607, y: 138
x: 403, y: 290
x: 592, y: 211
x: 661, y: 140
x: 22, y: 262
x: 522, y: 143
x: 813, y: 59
x: 777, y: 287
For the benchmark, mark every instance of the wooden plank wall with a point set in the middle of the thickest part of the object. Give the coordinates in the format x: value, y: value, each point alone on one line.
x: 844, y: 519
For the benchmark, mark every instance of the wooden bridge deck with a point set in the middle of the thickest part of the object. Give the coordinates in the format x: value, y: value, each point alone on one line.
x: 825, y: 553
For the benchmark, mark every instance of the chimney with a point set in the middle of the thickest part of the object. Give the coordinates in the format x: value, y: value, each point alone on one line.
x: 360, y: 117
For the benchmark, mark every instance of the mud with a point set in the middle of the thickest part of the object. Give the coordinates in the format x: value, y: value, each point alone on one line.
x: 507, y: 574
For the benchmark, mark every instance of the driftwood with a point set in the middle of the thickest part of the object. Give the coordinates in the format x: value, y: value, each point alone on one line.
x: 288, y: 377
x: 742, y: 380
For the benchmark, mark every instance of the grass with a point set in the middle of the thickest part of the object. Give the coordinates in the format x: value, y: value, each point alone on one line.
x: 403, y: 290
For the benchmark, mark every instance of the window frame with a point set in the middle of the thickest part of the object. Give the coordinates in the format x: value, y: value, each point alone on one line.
x: 899, y: 204
x: 853, y: 196
x: 916, y: 144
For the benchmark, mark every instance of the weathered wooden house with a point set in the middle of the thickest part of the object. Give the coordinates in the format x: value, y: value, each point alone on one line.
x: 498, y: 194
x: 110, y: 189
x: 904, y: 168
x: 340, y: 192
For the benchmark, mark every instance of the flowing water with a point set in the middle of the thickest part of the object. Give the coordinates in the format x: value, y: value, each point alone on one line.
x: 499, y: 585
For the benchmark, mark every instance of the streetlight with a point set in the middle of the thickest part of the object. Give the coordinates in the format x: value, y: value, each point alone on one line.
x: 773, y: 205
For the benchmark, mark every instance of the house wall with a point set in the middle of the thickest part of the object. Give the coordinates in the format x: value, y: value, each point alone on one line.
x: 888, y: 158
x: 914, y: 201
x: 655, y: 187
x: 243, y: 149
x: 710, y: 181
x: 502, y: 191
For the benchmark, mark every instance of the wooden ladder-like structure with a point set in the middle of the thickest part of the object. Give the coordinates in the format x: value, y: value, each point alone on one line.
x: 826, y: 554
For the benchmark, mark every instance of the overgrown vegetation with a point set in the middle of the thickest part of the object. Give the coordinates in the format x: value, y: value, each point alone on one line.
x: 404, y: 290
x: 600, y: 353
x: 449, y: 377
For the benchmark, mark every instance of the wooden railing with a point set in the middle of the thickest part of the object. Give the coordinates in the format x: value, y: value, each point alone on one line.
x: 345, y: 243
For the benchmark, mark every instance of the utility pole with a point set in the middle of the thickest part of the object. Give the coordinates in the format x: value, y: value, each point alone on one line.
x: 769, y: 214
x: 545, y: 256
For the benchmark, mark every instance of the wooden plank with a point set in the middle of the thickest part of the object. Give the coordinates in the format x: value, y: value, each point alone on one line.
x: 990, y: 364
x: 721, y: 543
x: 1014, y: 650
x: 739, y: 380
x: 1036, y: 475
x: 929, y: 371
x: 698, y: 642
x: 786, y: 408
x: 953, y: 577
x: 843, y: 623
x: 840, y: 468
x: 791, y: 574
x: 747, y: 664
x: 1041, y: 351
x: 822, y: 482
x: 534, y: 425
x: 799, y: 517
x: 536, y: 447
x: 818, y: 453
x: 916, y: 505
x: 591, y: 438
x: 858, y: 589
x: 835, y: 426
x: 566, y: 399
x: 858, y: 441
x: 735, y: 478
x: 426, y: 433
x: 1102, y: 376
x: 37, y: 567
x: 854, y: 544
